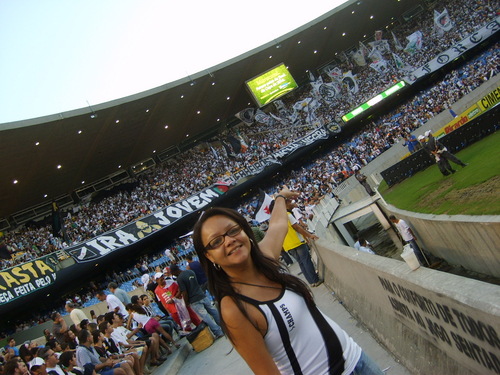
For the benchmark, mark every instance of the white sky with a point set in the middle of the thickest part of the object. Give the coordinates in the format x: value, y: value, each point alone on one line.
x: 55, y: 55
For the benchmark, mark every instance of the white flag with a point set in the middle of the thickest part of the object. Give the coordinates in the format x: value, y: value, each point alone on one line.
x: 375, y: 55
x: 350, y: 82
x: 442, y: 20
x: 397, y: 45
x: 358, y: 58
x: 414, y: 42
x: 262, y: 212
x: 380, y: 66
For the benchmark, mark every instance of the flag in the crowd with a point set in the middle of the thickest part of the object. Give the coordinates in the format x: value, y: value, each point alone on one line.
x: 228, y: 148
x: 56, y: 221
x: 315, y: 85
x: 335, y: 73
x: 414, y: 42
x: 262, y: 212
x: 398, y: 61
x: 397, y: 44
x: 243, y: 143
x: 350, y: 82
x: 311, y: 115
x: 246, y: 115
x: 302, y: 105
x: 381, y: 46
x: 329, y: 91
x: 235, y: 143
x: 278, y: 119
x: 263, y: 117
x: 442, y: 20
x: 358, y: 57
x: 343, y: 57
x: 364, y: 49
x: 375, y: 55
x: 214, y: 152
x: 280, y: 106
x: 380, y: 66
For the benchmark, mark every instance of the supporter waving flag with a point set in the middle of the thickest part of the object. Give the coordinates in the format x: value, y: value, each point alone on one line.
x: 262, y: 212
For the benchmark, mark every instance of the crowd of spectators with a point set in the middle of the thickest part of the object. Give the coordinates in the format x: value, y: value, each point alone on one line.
x: 184, y: 175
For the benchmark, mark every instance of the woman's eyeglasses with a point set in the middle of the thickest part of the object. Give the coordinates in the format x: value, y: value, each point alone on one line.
x: 219, y: 240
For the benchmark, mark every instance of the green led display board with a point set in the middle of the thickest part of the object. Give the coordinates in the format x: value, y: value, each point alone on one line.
x: 370, y: 103
x: 271, y: 85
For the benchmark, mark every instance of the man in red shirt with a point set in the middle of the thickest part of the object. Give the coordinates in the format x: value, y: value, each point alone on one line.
x: 166, y: 291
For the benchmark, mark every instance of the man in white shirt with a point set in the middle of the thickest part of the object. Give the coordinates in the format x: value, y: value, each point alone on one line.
x: 114, y: 304
x: 408, y: 237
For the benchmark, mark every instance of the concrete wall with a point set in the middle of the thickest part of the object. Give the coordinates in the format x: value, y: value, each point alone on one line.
x: 472, y: 242
x: 433, y: 322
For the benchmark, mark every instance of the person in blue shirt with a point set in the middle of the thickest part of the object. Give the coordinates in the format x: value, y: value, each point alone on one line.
x: 196, y: 267
x: 11, y: 344
x: 412, y: 143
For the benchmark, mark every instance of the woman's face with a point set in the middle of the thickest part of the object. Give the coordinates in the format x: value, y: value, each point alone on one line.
x: 23, y: 369
x: 234, y: 250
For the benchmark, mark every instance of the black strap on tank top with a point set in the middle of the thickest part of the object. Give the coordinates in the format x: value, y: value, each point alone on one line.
x: 336, y: 361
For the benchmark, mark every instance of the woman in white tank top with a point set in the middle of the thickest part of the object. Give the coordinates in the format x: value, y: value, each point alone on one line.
x: 269, y: 315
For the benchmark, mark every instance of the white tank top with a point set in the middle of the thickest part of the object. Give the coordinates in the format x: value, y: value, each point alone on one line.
x: 302, y: 340
x: 141, y: 318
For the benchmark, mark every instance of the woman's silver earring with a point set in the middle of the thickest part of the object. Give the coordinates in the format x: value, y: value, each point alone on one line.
x: 253, y: 243
x: 216, y: 266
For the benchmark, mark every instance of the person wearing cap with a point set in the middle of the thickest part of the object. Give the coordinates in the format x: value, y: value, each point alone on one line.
x: 36, y: 361
x: 166, y: 291
x: 195, y: 298
x: 441, y: 154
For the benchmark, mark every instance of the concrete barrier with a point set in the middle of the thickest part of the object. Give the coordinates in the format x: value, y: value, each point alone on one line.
x: 472, y: 242
x: 433, y: 322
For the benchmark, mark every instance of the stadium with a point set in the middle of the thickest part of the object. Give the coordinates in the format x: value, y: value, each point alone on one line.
x: 96, y: 193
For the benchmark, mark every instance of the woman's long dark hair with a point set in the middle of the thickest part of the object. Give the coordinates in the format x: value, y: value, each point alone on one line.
x: 219, y: 282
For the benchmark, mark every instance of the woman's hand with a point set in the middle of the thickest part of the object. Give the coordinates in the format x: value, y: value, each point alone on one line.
x: 287, y: 193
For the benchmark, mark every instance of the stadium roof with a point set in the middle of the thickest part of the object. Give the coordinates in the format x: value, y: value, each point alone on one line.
x: 91, y: 143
